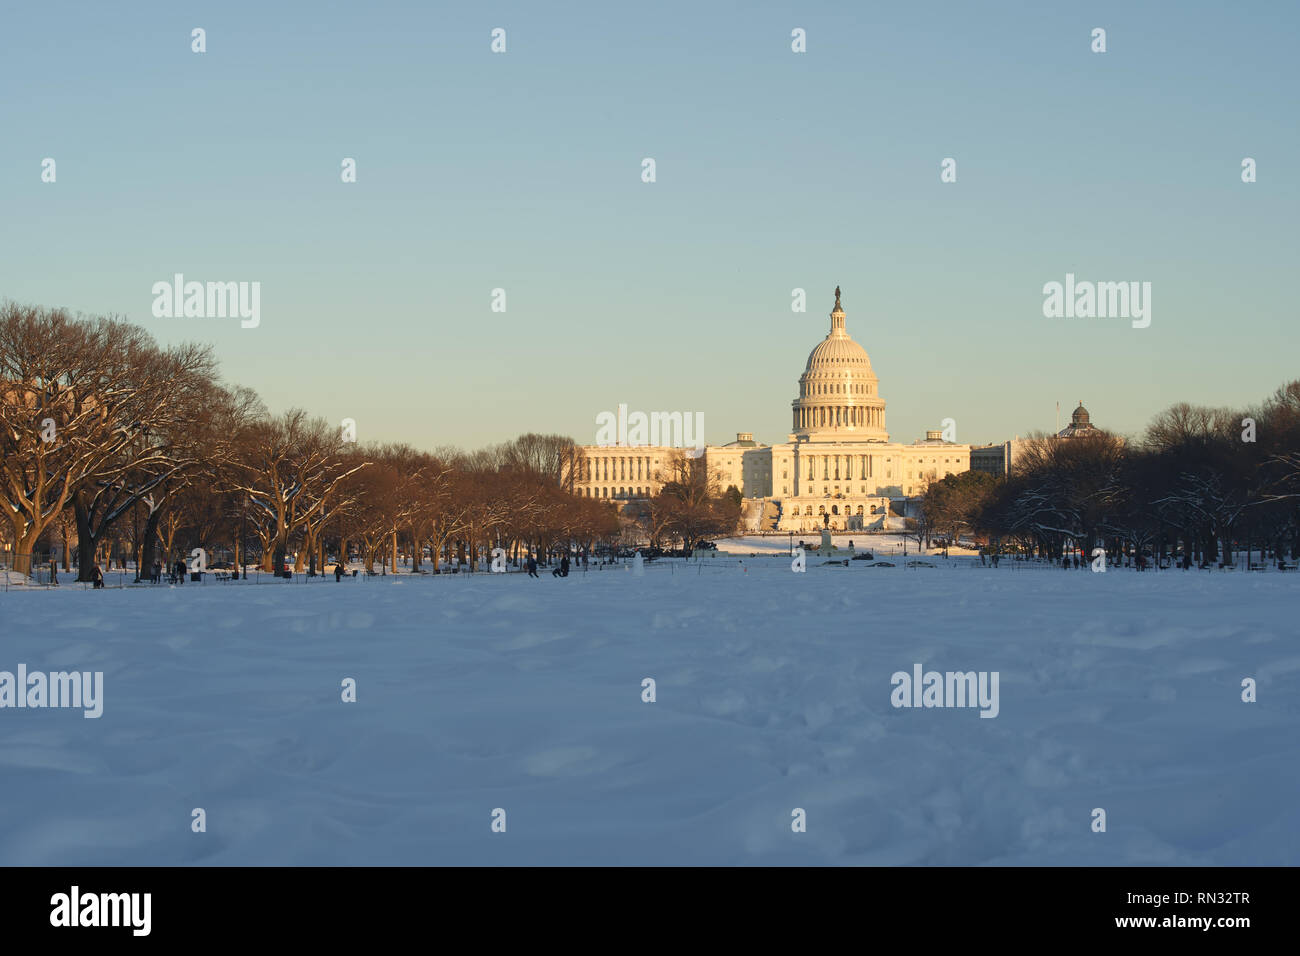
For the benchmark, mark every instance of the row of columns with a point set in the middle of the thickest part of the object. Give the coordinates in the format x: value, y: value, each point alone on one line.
x: 624, y: 467
x: 843, y: 469
x: 830, y: 416
x: 629, y: 493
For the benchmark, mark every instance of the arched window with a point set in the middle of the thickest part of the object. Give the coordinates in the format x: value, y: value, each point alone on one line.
x: 859, y: 511
x: 835, y: 509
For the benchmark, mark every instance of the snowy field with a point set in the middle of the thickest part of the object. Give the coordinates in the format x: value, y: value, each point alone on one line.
x: 887, y: 546
x: 1119, y: 691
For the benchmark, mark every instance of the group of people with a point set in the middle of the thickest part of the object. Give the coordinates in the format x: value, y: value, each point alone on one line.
x: 561, y: 572
x: 175, y: 572
x: 96, y: 575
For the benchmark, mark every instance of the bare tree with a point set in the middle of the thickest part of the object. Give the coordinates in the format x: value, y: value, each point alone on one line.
x: 81, y: 403
x: 289, y: 468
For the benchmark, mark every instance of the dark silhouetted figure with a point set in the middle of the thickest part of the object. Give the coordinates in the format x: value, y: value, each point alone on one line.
x: 563, y: 570
x: 532, y: 566
x: 96, y: 577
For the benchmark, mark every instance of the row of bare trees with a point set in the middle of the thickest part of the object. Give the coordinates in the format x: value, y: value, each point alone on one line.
x: 107, y: 437
x: 1200, y: 482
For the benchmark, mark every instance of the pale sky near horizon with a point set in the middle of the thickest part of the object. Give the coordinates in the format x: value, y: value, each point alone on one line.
x: 775, y: 171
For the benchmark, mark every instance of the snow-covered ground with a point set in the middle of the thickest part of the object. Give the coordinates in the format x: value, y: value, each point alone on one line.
x: 1119, y: 691
x: 887, y: 546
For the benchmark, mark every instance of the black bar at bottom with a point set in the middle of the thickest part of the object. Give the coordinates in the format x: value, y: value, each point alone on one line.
x: 336, y: 905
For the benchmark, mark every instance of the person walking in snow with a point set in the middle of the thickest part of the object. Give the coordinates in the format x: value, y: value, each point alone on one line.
x: 563, y: 570
x: 96, y: 577
x: 532, y: 566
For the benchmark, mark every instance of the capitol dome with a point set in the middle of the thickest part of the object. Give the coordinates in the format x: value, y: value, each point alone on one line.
x: 838, y: 392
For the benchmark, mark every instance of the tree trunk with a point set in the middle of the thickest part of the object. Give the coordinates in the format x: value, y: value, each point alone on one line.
x: 149, y: 545
x: 85, y: 542
x: 23, y: 543
x: 281, y: 549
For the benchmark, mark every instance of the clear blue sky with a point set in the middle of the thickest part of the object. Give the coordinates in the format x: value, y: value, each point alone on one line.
x: 775, y: 171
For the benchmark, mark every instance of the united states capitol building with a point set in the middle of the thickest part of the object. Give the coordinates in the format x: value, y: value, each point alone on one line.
x: 837, y: 470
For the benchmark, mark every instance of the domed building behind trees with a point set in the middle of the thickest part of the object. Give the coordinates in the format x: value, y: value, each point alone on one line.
x: 1080, y: 424
x: 1001, y: 458
x: 837, y: 470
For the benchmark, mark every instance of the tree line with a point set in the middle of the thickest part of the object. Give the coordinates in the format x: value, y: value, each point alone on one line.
x: 109, y: 439
x: 1200, y: 484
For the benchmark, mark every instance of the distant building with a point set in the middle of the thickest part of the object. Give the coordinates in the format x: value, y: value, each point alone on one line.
x: 838, y: 469
x: 1080, y: 424
x: 1000, y: 458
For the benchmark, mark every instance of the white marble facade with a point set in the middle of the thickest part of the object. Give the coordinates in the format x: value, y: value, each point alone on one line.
x: 838, y: 461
